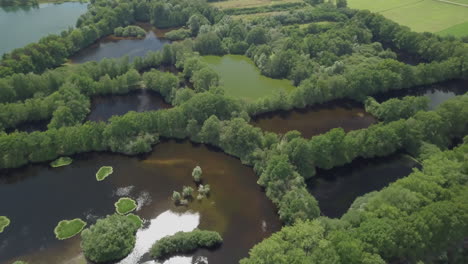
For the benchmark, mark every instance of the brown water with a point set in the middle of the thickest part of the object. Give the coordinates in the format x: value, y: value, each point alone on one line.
x: 104, y: 107
x: 116, y: 47
x: 37, y: 197
x: 316, y: 120
x: 336, y: 189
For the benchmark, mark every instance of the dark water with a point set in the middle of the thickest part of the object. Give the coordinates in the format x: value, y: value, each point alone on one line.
x: 104, y: 107
x: 437, y: 93
x: 37, y: 197
x: 114, y: 47
x: 316, y: 120
x: 336, y: 189
x: 29, y: 127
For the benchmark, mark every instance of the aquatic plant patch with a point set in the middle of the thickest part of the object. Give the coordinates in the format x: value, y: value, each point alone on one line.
x: 125, y: 205
x: 69, y: 228
x: 60, y: 162
x: 136, y: 219
x: 104, y: 172
x: 4, y: 222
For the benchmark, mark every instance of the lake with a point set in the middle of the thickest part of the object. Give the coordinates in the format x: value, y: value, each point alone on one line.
x: 316, y: 120
x: 21, y: 26
x: 116, y: 47
x: 241, y: 78
x: 37, y: 197
x: 336, y: 189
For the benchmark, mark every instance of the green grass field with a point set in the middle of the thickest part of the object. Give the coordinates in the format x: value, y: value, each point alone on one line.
x: 421, y: 15
x: 250, y: 3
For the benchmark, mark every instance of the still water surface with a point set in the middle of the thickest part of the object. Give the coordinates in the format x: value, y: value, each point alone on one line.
x: 37, y: 197
x: 21, y: 26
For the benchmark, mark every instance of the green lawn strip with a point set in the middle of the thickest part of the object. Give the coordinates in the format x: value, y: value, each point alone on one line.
x: 60, y: 162
x: 135, y: 218
x: 125, y: 205
x: 69, y: 228
x: 103, y: 172
x: 459, y: 30
x: 4, y: 222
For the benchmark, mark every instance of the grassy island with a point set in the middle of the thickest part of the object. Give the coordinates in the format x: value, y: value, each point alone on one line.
x: 136, y: 219
x: 125, y: 205
x: 69, y: 228
x: 4, y: 222
x: 104, y: 172
x: 60, y: 162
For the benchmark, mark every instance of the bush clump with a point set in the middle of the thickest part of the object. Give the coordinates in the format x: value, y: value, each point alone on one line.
x: 111, y: 238
x: 178, y: 34
x: 184, y: 242
x: 130, y: 31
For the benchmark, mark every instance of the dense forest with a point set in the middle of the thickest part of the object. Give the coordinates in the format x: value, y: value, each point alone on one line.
x: 422, y: 218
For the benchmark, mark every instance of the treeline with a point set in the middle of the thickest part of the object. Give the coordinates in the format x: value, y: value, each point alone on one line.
x: 264, y: 9
x: 395, y: 109
x: 421, y: 218
x: 19, y: 3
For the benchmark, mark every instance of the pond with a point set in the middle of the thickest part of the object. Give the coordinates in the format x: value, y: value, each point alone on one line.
x: 316, y: 120
x: 437, y: 93
x: 336, y: 189
x: 37, y: 197
x: 241, y: 78
x: 115, y: 47
x: 106, y: 106
x: 21, y: 26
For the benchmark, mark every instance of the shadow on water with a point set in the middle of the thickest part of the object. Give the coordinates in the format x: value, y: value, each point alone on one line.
x: 316, y: 120
x: 37, y: 197
x: 115, y: 47
x: 437, y: 93
x: 104, y: 107
x: 29, y: 127
x: 336, y: 189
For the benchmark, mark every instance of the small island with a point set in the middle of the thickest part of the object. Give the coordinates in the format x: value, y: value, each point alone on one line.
x: 4, y: 222
x: 130, y: 31
x: 125, y: 205
x: 136, y: 219
x: 69, y: 228
x: 184, y: 242
x: 104, y: 172
x: 60, y: 162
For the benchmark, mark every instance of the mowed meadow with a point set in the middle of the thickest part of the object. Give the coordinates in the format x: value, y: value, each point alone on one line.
x: 433, y: 16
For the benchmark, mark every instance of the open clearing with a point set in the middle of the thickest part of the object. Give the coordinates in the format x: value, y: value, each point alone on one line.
x: 250, y: 3
x: 432, y: 15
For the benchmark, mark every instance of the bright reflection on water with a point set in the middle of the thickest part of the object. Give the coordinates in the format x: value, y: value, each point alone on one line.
x: 167, y: 223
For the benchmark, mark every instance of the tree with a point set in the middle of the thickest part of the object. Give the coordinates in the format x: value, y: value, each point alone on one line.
x: 195, y: 22
x: 208, y: 43
x: 196, y: 174
x: 341, y: 3
x: 111, y: 238
x: 298, y: 204
x: 256, y: 36
x: 204, y: 79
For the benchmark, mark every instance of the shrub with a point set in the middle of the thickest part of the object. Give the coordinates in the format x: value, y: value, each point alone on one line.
x: 111, y: 238
x: 196, y: 174
x: 185, y: 242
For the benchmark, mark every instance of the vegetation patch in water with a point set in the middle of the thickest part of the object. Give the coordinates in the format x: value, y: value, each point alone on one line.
x: 4, y: 222
x: 111, y: 238
x: 69, y: 228
x: 125, y: 205
x: 60, y: 162
x: 130, y: 31
x: 185, y: 242
x: 20, y: 262
x: 104, y: 172
x: 136, y: 219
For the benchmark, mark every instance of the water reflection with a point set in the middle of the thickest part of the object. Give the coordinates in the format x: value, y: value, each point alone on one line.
x: 114, y: 47
x: 336, y: 189
x: 316, y: 120
x: 167, y: 223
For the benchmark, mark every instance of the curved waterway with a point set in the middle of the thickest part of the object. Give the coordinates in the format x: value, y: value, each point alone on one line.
x: 37, y: 197
x: 104, y: 107
x: 336, y: 189
x: 20, y: 26
x: 437, y: 93
x: 316, y: 120
x: 115, y: 47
